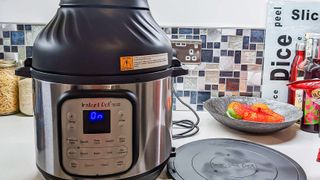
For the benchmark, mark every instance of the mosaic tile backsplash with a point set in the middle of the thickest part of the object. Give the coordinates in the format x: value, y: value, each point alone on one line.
x: 231, y: 62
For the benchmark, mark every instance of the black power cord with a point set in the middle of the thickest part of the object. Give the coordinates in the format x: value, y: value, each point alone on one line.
x: 191, y: 127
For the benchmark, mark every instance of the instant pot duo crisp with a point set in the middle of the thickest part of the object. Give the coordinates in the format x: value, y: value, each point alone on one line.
x: 102, y: 77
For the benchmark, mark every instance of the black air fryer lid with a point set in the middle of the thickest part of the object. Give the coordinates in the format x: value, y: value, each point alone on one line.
x: 227, y: 159
x: 111, y: 3
x: 102, y: 42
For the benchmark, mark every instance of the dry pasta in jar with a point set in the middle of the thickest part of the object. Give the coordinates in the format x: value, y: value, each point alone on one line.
x: 9, y: 93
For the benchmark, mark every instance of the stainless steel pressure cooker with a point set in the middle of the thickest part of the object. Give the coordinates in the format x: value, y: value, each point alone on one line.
x: 102, y: 75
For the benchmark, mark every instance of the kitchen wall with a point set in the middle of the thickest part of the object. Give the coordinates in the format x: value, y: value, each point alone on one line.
x: 231, y: 62
x: 200, y: 13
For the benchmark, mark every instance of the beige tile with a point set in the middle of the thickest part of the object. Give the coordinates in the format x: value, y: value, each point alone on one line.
x: 21, y: 53
x: 243, y: 74
x: 214, y: 35
x: 248, y: 57
x: 214, y: 93
x: 254, y: 78
x: 222, y: 87
x: 254, y: 67
x: 212, y: 77
x: 237, y: 67
x: 235, y: 42
x: 212, y: 66
x: 226, y: 63
x: 201, y: 83
x: 260, y: 47
x: 190, y: 83
x: 243, y: 85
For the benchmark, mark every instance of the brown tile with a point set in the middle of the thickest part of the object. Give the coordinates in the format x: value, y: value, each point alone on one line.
x: 232, y: 85
x: 243, y: 75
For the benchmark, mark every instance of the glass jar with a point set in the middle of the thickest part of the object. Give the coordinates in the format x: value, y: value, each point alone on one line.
x: 25, y: 96
x: 9, y: 93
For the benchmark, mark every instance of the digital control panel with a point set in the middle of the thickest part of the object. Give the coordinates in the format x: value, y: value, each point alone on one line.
x: 96, y: 136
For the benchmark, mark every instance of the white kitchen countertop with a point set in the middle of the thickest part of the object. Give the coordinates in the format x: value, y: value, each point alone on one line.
x: 17, y: 149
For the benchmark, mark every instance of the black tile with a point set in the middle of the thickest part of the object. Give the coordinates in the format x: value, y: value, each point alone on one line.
x: 216, y: 45
x: 185, y: 30
x: 244, y: 67
x: 259, y: 61
x: 230, y: 53
x: 210, y: 45
x: 259, y: 53
x: 223, y: 53
x: 1, y: 56
x: 193, y: 99
x: 189, y: 37
x: 237, y: 57
x: 207, y: 87
x: 224, y: 38
x: 253, y: 46
x: 204, y: 41
x: 222, y: 80
x: 199, y: 107
x: 186, y: 93
x: 17, y: 38
x: 203, y: 96
x: 174, y: 100
x: 6, y: 34
x: 14, y: 49
x: 29, y: 51
x: 206, y: 55
x: 179, y: 79
x: 236, y: 74
x: 196, y: 31
x: 245, y: 42
x: 239, y: 32
x: 257, y: 35
x: 246, y: 94
x: 180, y: 93
x: 215, y: 87
x: 249, y: 88
x: 257, y: 88
x: 28, y: 27
x: 173, y: 30
x: 174, y: 37
x: 20, y: 27
x: 196, y: 37
x: 216, y: 59
x: 226, y: 73
x: 221, y: 94
x: 1, y: 41
x: 6, y: 48
x: 202, y: 73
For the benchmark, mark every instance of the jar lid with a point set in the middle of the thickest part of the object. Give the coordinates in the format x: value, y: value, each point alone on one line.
x: 7, y: 63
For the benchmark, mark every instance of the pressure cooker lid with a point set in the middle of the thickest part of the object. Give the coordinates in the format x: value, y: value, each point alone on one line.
x: 220, y: 159
x: 111, y: 3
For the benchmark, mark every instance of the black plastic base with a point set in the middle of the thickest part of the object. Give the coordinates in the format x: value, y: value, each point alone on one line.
x: 150, y: 175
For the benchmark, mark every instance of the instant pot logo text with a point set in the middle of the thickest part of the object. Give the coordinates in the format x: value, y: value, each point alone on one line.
x: 102, y: 104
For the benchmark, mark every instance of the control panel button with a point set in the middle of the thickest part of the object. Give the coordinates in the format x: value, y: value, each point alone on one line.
x: 72, y: 140
x: 97, y: 152
x: 97, y: 142
x: 89, y: 165
x: 72, y: 153
x: 74, y: 164
x: 121, y: 123
x: 121, y: 151
x: 108, y: 152
x: 121, y: 114
x: 122, y: 139
x: 109, y: 142
x: 71, y: 126
x: 71, y: 116
x: 120, y: 163
x: 84, y: 153
x: 105, y: 164
x: 83, y: 142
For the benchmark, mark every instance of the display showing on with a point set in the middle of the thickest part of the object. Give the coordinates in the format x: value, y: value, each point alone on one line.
x: 96, y: 121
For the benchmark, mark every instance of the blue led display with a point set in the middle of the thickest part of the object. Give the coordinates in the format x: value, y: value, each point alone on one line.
x: 96, y: 116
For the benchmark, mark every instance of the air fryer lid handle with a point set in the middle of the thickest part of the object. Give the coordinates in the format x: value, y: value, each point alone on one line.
x: 25, y: 71
x: 111, y: 3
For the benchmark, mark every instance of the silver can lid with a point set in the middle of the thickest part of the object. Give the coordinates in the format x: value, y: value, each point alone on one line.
x: 300, y: 46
